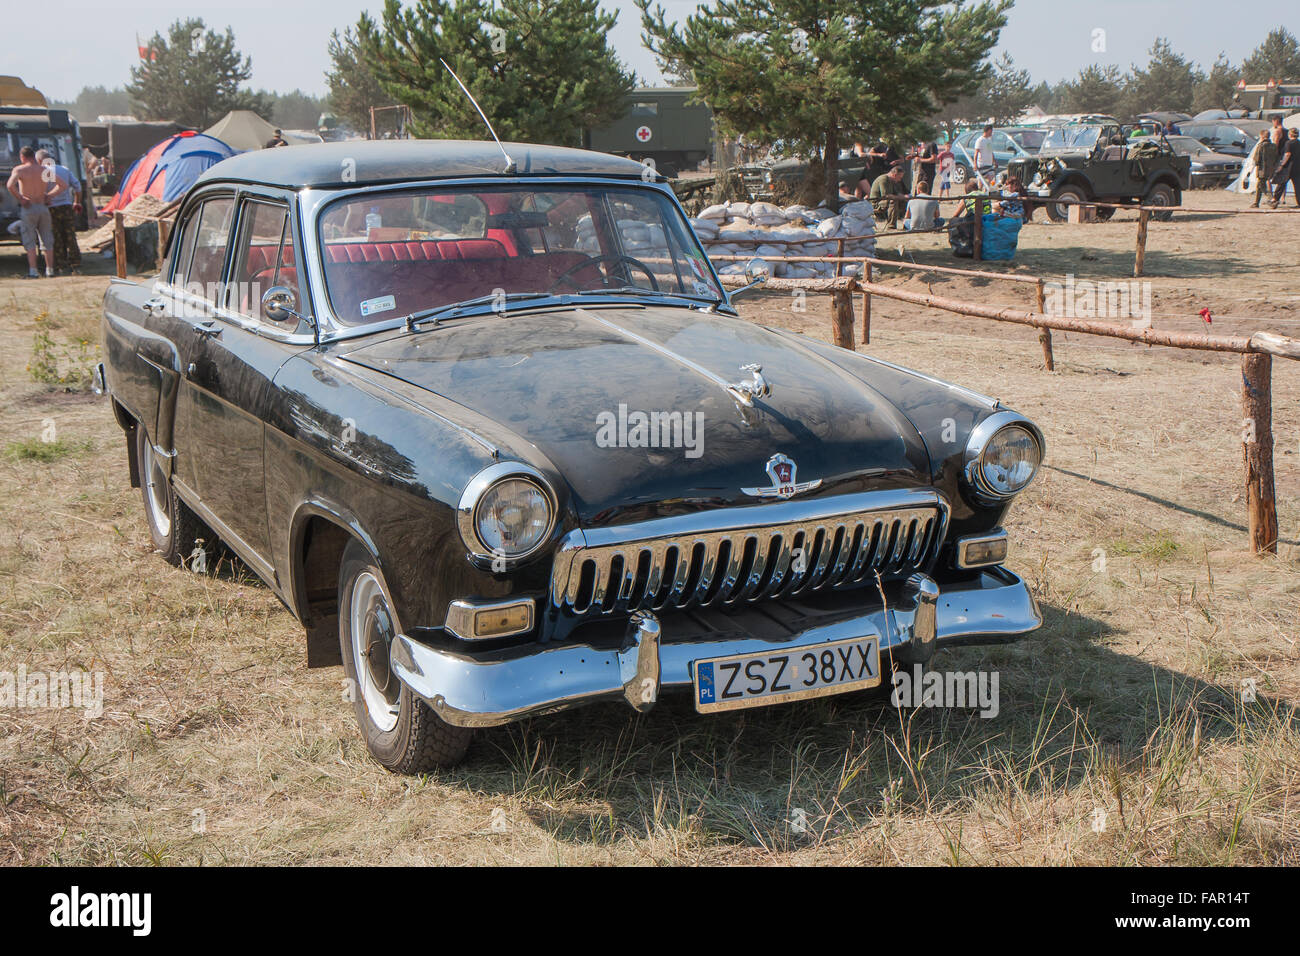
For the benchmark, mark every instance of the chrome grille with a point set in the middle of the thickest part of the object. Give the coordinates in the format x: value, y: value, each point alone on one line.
x: 749, y: 554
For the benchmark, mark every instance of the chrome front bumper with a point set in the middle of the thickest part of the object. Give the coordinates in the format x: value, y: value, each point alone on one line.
x: 488, y: 688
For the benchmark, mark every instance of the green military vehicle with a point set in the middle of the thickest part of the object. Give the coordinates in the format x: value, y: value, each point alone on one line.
x: 662, y: 125
x: 1080, y: 162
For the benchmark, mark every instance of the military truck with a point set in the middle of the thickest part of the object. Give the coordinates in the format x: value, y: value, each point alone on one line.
x: 1079, y: 163
x: 660, y: 124
x: 26, y: 120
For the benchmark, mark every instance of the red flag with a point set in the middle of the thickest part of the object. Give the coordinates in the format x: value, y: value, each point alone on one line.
x: 1205, y: 314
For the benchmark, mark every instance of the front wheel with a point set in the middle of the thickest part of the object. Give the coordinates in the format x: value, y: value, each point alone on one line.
x: 401, y: 731
x: 1058, y: 208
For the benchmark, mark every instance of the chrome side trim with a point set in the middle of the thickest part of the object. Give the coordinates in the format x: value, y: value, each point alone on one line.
x: 260, y: 565
x: 496, y: 687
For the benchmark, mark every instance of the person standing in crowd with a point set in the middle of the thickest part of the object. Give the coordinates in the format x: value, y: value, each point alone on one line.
x: 923, y: 168
x: 944, y: 162
x: 1262, y: 159
x: 1170, y: 129
x: 28, y: 184
x: 885, y: 195
x: 64, y: 200
x: 883, y: 157
x: 1288, y: 170
x: 985, y: 160
x: 1279, y: 134
x: 276, y: 140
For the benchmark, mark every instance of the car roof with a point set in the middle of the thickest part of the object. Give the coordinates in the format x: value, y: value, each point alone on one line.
x: 360, y: 162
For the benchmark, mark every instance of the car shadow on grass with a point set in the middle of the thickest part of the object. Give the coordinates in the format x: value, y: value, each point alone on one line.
x: 1069, y: 712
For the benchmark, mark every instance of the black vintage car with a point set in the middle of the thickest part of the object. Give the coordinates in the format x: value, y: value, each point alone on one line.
x: 492, y: 430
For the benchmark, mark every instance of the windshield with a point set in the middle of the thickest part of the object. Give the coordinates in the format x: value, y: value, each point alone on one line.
x: 1187, y: 146
x: 398, y: 252
x: 1072, y: 137
x: 1028, y: 139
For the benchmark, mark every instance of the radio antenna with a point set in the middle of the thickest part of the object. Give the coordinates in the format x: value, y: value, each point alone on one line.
x: 510, y: 163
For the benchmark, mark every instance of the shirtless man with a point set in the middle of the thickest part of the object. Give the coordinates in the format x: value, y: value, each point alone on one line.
x: 29, y: 184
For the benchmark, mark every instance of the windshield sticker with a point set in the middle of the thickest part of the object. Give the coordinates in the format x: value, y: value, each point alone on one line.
x: 385, y: 303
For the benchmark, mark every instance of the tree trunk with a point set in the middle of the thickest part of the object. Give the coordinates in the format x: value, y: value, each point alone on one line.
x: 831, y: 163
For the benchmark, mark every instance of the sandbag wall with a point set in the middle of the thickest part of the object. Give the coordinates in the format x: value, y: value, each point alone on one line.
x: 765, y: 229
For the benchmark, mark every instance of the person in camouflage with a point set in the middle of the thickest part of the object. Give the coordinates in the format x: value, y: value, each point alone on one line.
x: 64, y: 200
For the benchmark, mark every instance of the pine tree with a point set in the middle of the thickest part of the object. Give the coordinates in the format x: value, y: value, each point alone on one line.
x: 1217, y: 88
x: 542, y: 70
x: 353, y: 87
x: 819, y: 75
x: 1168, y: 83
x: 194, y: 77
x: 1277, y: 58
x: 1097, y: 89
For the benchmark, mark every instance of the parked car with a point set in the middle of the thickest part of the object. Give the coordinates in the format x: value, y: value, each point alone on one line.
x: 1209, y: 169
x: 1081, y: 163
x: 1028, y: 138
x: 1005, y: 150
x: 1236, y: 137
x: 772, y: 180
x: 499, y: 439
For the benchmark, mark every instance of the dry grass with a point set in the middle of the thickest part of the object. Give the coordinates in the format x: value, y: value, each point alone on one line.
x: 1128, y: 700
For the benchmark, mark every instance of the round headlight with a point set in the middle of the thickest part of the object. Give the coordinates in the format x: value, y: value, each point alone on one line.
x: 513, y: 517
x: 1009, y: 461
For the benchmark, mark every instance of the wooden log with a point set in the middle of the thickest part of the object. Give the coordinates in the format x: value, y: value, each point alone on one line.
x: 1045, y: 335
x: 1139, y: 263
x: 119, y: 243
x: 1275, y: 344
x: 164, y: 230
x: 842, y: 317
x: 1257, y: 449
x: 866, y: 304
x: 1147, y: 336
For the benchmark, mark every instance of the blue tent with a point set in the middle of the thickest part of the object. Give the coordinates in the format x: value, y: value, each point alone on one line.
x: 170, y: 168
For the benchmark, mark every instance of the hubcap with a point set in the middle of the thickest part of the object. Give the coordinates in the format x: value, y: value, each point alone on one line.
x: 370, y: 625
x: 156, y: 486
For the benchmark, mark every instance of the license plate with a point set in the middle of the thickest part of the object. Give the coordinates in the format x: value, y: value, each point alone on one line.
x: 773, y: 677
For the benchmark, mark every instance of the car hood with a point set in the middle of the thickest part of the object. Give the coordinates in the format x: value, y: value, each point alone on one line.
x: 571, y: 384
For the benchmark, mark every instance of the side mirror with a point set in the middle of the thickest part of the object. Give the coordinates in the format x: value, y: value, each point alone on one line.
x: 280, y: 303
x: 757, y: 272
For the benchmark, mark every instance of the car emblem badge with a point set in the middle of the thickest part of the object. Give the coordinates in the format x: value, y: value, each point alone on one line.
x: 781, y: 468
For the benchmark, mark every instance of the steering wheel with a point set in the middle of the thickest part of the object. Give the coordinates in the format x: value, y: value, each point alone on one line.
x: 567, y: 275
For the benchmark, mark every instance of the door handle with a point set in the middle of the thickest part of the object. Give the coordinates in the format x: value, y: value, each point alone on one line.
x: 208, y: 329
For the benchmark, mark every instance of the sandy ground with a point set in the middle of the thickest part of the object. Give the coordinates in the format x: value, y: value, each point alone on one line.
x: 1152, y: 720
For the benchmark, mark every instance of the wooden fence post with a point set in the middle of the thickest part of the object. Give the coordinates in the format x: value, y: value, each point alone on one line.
x: 979, y: 230
x: 119, y: 243
x: 164, y: 229
x: 1045, y: 335
x: 1140, y: 262
x: 842, y: 317
x: 1257, y: 448
x: 839, y: 257
x: 866, y: 305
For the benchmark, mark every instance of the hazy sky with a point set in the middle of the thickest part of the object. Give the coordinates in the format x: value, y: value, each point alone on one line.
x: 287, y: 39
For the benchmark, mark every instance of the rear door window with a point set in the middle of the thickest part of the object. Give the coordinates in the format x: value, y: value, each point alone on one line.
x: 211, y: 236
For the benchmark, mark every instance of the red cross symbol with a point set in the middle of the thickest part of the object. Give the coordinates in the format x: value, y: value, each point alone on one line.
x: 643, y: 134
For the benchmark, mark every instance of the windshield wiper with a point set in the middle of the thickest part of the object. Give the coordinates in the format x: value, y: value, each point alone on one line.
x: 657, y: 293
x: 455, y: 308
